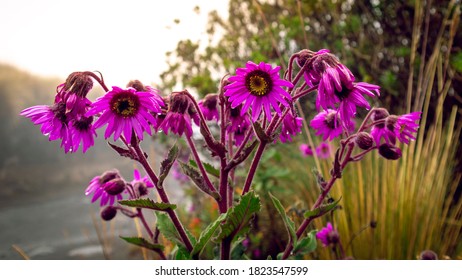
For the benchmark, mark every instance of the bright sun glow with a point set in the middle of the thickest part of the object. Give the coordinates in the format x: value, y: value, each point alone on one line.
x: 122, y: 39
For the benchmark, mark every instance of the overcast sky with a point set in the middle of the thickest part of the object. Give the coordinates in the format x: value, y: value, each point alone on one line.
x: 122, y: 39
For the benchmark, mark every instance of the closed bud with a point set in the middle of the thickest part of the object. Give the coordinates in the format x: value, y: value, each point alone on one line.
x: 180, y: 103
x: 373, y: 224
x: 303, y: 56
x: 379, y: 114
x: 141, y: 188
x: 364, y: 140
x: 78, y: 83
x: 389, y: 151
x: 109, y: 175
x: 115, y: 186
x: 108, y: 213
x: 333, y: 237
x: 428, y: 255
x: 136, y: 84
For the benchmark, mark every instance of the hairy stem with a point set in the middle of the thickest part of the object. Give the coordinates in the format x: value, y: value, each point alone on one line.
x: 200, y: 165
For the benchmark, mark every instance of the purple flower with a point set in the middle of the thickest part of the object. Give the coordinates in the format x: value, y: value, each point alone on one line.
x: 306, y: 150
x: 291, y: 125
x: 402, y: 127
x: 53, y: 121
x: 140, y: 184
x: 345, y: 96
x: 178, y: 118
x: 81, y: 130
x: 259, y: 86
x: 238, y: 125
x: 125, y: 111
x: 73, y: 92
x: 323, y: 150
x: 328, y: 235
x: 109, y: 187
x: 327, y: 124
x: 209, y: 107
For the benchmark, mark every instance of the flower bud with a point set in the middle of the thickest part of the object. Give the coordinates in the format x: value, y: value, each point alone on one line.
x: 389, y: 151
x: 78, y: 83
x: 373, y: 224
x: 379, y: 114
x: 109, y: 175
x: 364, y: 140
x: 136, y: 84
x: 115, y: 186
x: 428, y: 255
x: 140, y: 188
x: 303, y: 56
x: 180, y: 103
x: 108, y: 213
x: 333, y: 237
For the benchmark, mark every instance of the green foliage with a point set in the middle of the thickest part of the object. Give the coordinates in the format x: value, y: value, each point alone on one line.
x: 140, y: 241
x: 321, y: 210
x: 167, y: 228
x: 206, y: 235
x: 148, y: 204
x: 289, y: 224
x: 208, y: 167
x: 306, y: 245
x: 167, y: 163
x: 239, y: 217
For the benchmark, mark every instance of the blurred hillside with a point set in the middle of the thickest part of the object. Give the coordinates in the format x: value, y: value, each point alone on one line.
x: 30, y: 165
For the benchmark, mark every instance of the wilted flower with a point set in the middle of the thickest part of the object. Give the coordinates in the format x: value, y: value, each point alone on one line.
x: 259, y: 86
x: 81, y: 130
x: 209, y: 107
x: 397, y: 127
x: 291, y: 125
x: 327, y: 123
x: 178, y: 118
x: 238, y: 125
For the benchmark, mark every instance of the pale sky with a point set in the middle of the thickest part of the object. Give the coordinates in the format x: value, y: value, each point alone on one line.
x: 122, y: 39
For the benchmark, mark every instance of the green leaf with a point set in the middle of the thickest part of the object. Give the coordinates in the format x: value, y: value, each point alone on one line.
x: 147, y: 203
x: 321, y: 210
x: 289, y: 224
x: 167, y: 163
x: 206, y: 235
x: 307, y: 244
x: 239, y: 216
x: 197, y: 178
x: 168, y: 230
x: 140, y: 241
x: 182, y: 253
x: 208, y: 167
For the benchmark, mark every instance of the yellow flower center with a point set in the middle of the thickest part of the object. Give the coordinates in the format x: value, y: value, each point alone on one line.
x: 125, y: 104
x: 258, y: 83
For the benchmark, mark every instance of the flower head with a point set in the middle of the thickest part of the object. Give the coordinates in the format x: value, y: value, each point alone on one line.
x: 259, y: 86
x: 238, y: 125
x: 328, y: 235
x: 327, y: 123
x: 178, y: 118
x: 140, y: 184
x: 108, y: 186
x: 81, y: 130
x: 291, y: 125
x: 401, y: 127
x: 125, y: 111
x: 74, y: 92
x: 306, y: 150
x: 209, y: 107
x: 323, y: 150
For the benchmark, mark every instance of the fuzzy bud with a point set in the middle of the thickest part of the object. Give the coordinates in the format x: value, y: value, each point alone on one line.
x: 108, y: 213
x: 78, y: 83
x: 303, y: 56
x: 389, y: 151
x: 141, y: 188
x: 115, y: 186
x: 333, y: 237
x: 373, y: 224
x: 109, y: 175
x: 379, y: 114
x: 364, y: 140
x: 428, y: 255
x: 180, y: 103
x: 136, y: 84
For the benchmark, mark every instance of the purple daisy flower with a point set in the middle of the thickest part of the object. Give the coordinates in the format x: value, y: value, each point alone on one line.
x: 259, y: 86
x: 178, y: 118
x: 209, y: 107
x: 306, y: 150
x: 125, y: 111
x: 327, y: 124
x: 397, y: 127
x: 238, y: 125
x: 81, y: 130
x: 328, y: 235
x: 109, y: 187
x: 291, y: 125
x: 73, y: 92
x: 140, y: 184
x: 323, y: 150
x: 53, y: 121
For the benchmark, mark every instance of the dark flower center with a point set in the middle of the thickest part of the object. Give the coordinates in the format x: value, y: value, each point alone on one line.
x: 125, y: 104
x: 59, y: 109
x: 331, y: 121
x: 259, y: 83
x: 344, y: 93
x: 83, y: 123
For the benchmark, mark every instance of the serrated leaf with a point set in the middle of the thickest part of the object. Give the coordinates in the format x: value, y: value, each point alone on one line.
x: 289, y: 224
x: 321, y: 210
x: 167, y: 163
x: 168, y: 230
x: 307, y: 244
x: 123, y: 152
x: 140, y: 241
x: 239, y: 216
x: 182, y: 254
x: 196, y: 177
x: 208, y: 167
x: 147, y: 203
x: 206, y: 235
